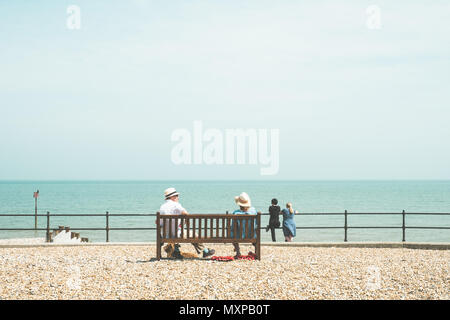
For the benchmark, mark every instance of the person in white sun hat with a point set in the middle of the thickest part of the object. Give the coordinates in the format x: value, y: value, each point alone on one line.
x: 245, y: 207
x: 173, y: 206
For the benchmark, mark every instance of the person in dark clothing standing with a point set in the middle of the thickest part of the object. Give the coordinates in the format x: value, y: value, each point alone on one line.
x: 274, y: 221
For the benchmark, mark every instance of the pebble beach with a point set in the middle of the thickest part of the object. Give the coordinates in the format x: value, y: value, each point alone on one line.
x: 132, y: 272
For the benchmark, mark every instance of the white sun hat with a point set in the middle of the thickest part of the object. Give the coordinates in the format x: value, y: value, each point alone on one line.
x: 170, y: 192
x: 243, y: 200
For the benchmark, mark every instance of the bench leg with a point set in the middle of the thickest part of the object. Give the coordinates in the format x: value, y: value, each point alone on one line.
x: 258, y: 251
x: 158, y: 251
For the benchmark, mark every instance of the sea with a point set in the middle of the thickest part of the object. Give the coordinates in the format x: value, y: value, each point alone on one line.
x: 129, y: 197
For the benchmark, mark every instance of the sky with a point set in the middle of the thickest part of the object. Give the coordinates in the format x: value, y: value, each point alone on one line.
x: 101, y: 102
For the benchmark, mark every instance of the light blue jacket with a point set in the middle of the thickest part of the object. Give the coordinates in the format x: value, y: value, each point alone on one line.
x: 245, y: 233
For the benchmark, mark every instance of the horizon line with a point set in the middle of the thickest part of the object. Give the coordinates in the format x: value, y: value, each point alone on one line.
x: 217, y: 180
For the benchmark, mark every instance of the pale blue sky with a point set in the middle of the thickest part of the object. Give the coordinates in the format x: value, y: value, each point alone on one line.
x: 101, y: 102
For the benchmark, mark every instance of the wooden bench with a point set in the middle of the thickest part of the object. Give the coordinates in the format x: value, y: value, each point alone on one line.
x: 209, y: 228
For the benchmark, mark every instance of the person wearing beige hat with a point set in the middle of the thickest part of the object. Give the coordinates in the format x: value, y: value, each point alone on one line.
x: 245, y: 207
x: 173, y: 206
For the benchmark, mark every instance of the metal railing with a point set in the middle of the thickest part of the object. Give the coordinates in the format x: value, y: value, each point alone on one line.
x: 346, y: 227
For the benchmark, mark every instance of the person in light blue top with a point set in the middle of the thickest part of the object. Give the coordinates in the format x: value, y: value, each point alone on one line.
x: 289, y: 228
x: 245, y: 207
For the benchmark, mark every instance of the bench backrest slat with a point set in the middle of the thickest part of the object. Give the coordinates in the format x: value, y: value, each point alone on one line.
x: 217, y: 227
x: 223, y: 227
x: 188, y: 228
x: 164, y: 228
x: 241, y: 224
x: 182, y: 227
x: 211, y: 221
x: 193, y: 228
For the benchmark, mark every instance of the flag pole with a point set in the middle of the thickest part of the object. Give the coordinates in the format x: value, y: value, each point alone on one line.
x: 36, y: 195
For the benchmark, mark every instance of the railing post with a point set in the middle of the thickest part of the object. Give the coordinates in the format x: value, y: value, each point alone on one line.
x: 345, y: 226
x: 107, y: 226
x: 35, y: 213
x: 48, y: 227
x: 403, y: 226
x: 258, y: 236
x: 158, y: 237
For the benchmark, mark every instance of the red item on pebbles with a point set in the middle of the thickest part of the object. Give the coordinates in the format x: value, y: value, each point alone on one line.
x: 250, y: 256
x: 225, y: 258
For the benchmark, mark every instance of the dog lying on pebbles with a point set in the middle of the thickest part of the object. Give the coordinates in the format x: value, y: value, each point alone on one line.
x: 170, y: 250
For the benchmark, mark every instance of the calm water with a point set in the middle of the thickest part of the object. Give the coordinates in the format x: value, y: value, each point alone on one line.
x: 218, y: 197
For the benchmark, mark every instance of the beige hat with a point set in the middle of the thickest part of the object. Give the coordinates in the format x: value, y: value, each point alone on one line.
x: 243, y: 200
x: 170, y: 192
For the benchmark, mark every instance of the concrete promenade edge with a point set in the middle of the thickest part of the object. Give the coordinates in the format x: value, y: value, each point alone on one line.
x: 406, y: 245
